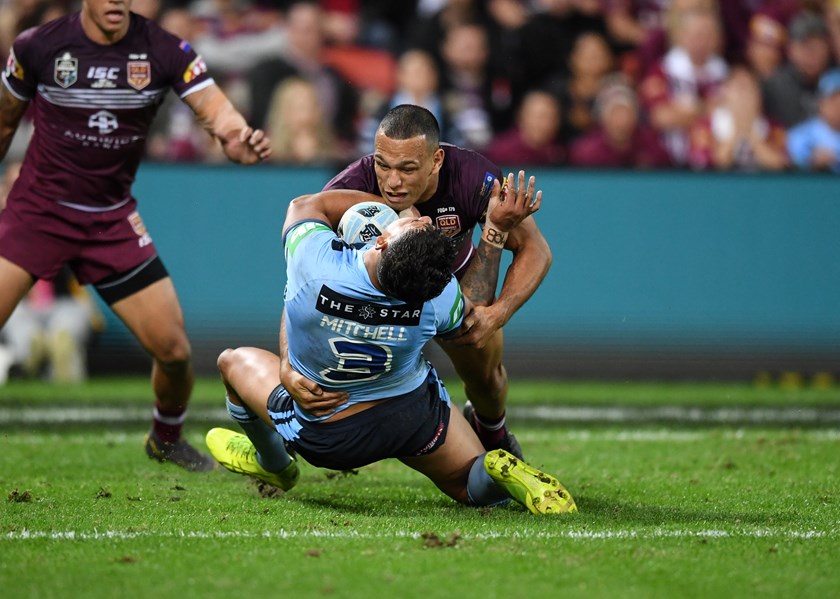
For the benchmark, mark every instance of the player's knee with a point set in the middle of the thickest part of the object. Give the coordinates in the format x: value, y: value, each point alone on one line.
x: 225, y: 361
x: 174, y: 352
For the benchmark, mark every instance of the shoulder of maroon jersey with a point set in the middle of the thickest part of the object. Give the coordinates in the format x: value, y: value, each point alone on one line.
x: 469, y: 170
x: 357, y: 175
x: 458, y: 156
x: 153, y: 32
x: 43, y: 36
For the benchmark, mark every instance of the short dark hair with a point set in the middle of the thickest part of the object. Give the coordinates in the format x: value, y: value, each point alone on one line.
x: 409, y: 120
x: 415, y: 267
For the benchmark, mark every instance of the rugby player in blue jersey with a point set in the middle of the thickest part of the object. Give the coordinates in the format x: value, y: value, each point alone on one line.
x: 452, y: 185
x: 93, y: 82
x: 357, y: 319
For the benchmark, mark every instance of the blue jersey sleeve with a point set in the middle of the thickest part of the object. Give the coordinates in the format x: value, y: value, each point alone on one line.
x: 449, y: 308
x: 307, y: 248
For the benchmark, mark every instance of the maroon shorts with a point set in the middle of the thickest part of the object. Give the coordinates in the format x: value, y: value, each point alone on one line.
x: 95, y: 245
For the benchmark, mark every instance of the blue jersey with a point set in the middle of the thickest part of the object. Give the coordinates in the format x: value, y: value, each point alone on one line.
x: 343, y: 333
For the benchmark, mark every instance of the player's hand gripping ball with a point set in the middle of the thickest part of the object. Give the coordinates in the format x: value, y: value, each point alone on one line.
x: 364, y: 222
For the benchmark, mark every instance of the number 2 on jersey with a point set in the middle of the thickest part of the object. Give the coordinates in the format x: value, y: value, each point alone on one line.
x: 357, y: 361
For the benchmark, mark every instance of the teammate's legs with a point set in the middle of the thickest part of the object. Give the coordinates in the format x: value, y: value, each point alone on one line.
x: 153, y: 314
x: 484, y: 375
x: 486, y: 387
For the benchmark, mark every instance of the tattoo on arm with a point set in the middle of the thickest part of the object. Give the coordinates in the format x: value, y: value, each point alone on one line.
x: 482, y: 277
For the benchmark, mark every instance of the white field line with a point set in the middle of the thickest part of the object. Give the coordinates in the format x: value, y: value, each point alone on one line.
x: 680, y: 414
x: 585, y: 535
x: 827, y: 416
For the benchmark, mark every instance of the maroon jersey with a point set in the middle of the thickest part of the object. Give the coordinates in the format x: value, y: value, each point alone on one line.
x: 92, y: 105
x: 461, y: 200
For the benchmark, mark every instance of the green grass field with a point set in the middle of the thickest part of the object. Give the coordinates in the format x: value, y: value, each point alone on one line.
x: 676, y: 509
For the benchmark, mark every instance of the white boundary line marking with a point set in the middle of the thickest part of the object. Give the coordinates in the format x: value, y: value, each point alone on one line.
x: 758, y: 533
x: 822, y: 416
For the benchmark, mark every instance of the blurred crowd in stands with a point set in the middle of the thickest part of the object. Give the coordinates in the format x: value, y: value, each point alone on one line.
x: 691, y: 84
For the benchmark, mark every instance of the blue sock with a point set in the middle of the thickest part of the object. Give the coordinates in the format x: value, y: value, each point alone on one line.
x: 271, y: 448
x: 481, y: 488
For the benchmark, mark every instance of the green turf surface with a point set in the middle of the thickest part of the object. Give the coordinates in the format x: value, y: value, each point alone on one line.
x: 209, y: 391
x: 712, y: 512
x: 673, y: 511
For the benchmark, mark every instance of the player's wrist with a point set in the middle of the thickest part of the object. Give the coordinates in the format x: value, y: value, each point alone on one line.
x: 494, y: 235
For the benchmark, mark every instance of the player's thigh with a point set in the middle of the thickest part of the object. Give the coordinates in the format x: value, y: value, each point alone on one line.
x: 153, y: 314
x: 15, y: 282
x: 253, y: 374
x: 449, y: 466
x: 473, y: 363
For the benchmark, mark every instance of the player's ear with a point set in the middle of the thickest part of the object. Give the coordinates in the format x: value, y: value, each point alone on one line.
x: 381, y: 243
x: 437, y: 159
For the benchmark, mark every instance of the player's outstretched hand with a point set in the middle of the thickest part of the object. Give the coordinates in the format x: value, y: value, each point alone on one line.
x: 510, y: 205
x: 250, y: 147
x: 309, y: 395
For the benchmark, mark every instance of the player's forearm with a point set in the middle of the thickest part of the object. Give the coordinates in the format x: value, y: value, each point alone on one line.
x: 328, y: 206
x: 217, y: 114
x: 524, y: 275
x: 283, y: 342
x: 482, y: 277
x: 228, y: 123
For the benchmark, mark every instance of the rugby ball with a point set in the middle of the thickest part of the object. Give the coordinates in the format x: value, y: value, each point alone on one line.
x: 364, y: 222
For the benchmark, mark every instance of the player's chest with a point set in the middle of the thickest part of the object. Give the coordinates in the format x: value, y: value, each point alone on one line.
x: 79, y: 70
x: 447, y: 216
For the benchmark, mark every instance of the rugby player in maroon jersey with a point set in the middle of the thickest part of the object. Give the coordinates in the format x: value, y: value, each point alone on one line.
x: 93, y: 81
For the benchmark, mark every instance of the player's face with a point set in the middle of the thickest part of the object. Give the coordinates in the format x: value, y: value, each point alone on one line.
x: 401, y: 225
x: 105, y: 21
x: 406, y: 170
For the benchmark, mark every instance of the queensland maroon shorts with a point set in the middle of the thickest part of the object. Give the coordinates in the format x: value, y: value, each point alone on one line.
x: 95, y: 245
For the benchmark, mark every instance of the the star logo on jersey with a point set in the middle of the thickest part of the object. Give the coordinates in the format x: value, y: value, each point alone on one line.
x: 366, y: 312
x: 66, y: 70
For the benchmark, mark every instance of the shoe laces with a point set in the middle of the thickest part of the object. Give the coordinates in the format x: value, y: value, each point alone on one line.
x: 242, y: 448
